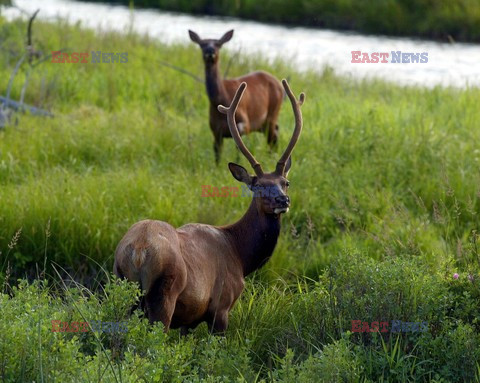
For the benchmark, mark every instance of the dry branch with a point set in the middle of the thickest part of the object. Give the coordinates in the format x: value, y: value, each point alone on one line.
x: 6, y: 104
x: 30, y: 50
x: 18, y: 106
x: 181, y: 70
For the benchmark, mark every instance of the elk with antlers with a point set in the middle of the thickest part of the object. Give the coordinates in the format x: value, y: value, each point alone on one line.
x: 260, y: 104
x: 196, y: 273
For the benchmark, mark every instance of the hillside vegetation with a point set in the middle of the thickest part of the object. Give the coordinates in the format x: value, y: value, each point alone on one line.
x: 385, y: 210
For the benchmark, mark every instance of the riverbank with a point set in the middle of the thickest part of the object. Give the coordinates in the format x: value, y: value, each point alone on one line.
x: 305, y: 49
x: 456, y: 20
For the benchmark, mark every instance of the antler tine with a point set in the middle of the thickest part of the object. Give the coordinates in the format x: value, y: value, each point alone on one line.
x: 232, y: 125
x: 280, y: 169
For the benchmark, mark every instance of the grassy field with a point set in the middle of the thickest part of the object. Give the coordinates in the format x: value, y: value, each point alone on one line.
x: 439, y: 19
x: 385, y: 210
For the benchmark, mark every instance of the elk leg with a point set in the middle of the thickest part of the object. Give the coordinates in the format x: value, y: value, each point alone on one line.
x: 184, y: 330
x: 272, y: 134
x: 218, y: 323
x: 141, y: 303
x: 217, y: 148
x: 161, y: 299
x: 243, y: 124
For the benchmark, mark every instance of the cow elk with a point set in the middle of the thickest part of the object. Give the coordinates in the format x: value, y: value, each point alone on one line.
x: 196, y: 273
x: 260, y: 104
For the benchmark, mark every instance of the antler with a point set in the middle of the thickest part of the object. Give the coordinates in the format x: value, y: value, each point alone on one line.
x: 280, y: 169
x: 232, y: 125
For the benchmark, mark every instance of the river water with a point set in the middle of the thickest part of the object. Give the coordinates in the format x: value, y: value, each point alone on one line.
x: 456, y: 64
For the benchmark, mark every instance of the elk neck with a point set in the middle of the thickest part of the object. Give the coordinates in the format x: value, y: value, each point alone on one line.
x: 215, y: 89
x: 254, y: 237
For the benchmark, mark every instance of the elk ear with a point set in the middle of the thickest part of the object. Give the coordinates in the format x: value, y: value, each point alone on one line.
x: 226, y: 37
x: 240, y: 173
x: 194, y: 37
x: 288, y: 165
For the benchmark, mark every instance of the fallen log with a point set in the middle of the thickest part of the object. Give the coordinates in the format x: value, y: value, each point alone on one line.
x: 20, y: 107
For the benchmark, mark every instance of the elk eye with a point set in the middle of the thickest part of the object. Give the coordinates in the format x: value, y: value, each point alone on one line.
x: 287, y: 184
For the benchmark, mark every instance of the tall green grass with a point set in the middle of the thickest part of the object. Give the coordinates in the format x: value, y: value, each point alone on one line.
x: 384, y: 190
x: 380, y: 168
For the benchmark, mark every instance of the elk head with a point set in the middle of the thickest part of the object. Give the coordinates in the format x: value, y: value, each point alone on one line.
x: 269, y: 188
x: 210, y: 47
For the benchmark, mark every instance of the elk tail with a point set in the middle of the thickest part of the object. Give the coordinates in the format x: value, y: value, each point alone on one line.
x: 138, y: 257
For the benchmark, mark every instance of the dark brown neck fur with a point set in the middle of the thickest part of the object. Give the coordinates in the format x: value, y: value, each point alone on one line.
x: 255, y: 237
x: 215, y: 89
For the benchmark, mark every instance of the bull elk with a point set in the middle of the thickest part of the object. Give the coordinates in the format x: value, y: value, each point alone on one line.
x: 260, y: 104
x: 196, y: 273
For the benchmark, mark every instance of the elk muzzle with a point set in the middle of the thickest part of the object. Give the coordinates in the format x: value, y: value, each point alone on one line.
x: 283, y: 204
x: 209, y: 54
